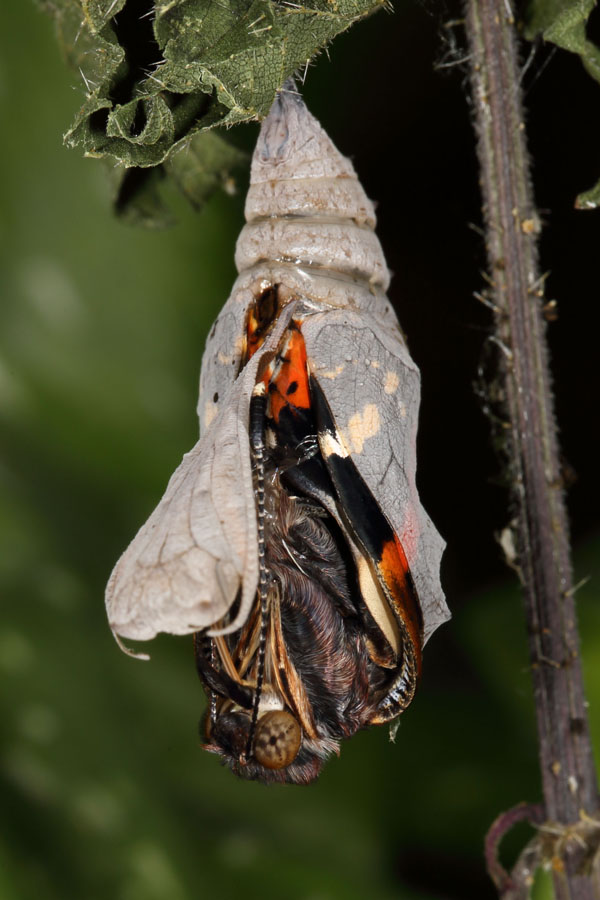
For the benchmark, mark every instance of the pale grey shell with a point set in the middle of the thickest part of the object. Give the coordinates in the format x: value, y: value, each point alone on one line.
x: 309, y: 230
x: 184, y: 567
x: 309, y: 227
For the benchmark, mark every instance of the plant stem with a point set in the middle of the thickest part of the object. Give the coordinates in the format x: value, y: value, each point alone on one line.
x: 512, y: 225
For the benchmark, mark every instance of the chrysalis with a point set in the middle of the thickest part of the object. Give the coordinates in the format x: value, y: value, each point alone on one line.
x: 291, y: 539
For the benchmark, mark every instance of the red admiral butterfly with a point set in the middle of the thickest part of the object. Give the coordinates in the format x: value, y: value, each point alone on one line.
x: 291, y: 539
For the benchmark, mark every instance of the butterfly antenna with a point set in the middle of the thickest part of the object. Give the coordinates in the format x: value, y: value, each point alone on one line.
x: 202, y: 644
x: 257, y: 418
x: 213, y: 696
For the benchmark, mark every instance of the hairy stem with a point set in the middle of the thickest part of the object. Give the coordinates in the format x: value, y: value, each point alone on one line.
x: 516, y: 290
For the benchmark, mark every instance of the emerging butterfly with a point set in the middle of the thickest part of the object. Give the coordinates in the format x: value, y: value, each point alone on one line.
x: 291, y: 539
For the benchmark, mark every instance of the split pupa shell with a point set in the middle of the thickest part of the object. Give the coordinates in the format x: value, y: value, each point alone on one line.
x: 310, y: 232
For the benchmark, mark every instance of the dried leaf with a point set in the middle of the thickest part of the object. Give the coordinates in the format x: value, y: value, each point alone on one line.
x: 158, y: 75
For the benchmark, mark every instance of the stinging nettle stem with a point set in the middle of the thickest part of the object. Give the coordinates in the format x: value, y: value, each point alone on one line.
x: 512, y: 225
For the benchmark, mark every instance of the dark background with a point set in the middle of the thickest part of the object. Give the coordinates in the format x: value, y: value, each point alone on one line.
x: 104, y: 789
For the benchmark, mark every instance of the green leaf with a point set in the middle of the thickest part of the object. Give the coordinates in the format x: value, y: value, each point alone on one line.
x: 159, y: 75
x: 589, y: 199
x: 204, y: 164
x: 563, y: 22
x: 198, y: 168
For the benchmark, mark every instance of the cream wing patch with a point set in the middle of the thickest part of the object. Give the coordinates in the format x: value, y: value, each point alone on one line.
x: 392, y: 381
x: 361, y: 426
x: 333, y: 373
x: 210, y: 412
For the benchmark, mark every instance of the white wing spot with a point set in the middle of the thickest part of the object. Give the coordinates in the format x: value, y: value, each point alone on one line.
x: 392, y: 381
x: 376, y: 603
x: 362, y: 426
x: 330, y: 446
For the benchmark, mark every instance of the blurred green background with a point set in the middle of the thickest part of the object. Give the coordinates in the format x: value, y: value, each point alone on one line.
x: 104, y: 791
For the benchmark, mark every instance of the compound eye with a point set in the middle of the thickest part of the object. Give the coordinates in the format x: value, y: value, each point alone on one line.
x: 277, y: 739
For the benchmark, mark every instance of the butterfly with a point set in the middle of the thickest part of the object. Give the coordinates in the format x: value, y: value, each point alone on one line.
x: 291, y: 539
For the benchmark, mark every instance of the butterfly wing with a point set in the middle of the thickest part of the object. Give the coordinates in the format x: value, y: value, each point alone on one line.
x: 223, y: 353
x: 372, y: 388
x: 184, y: 568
